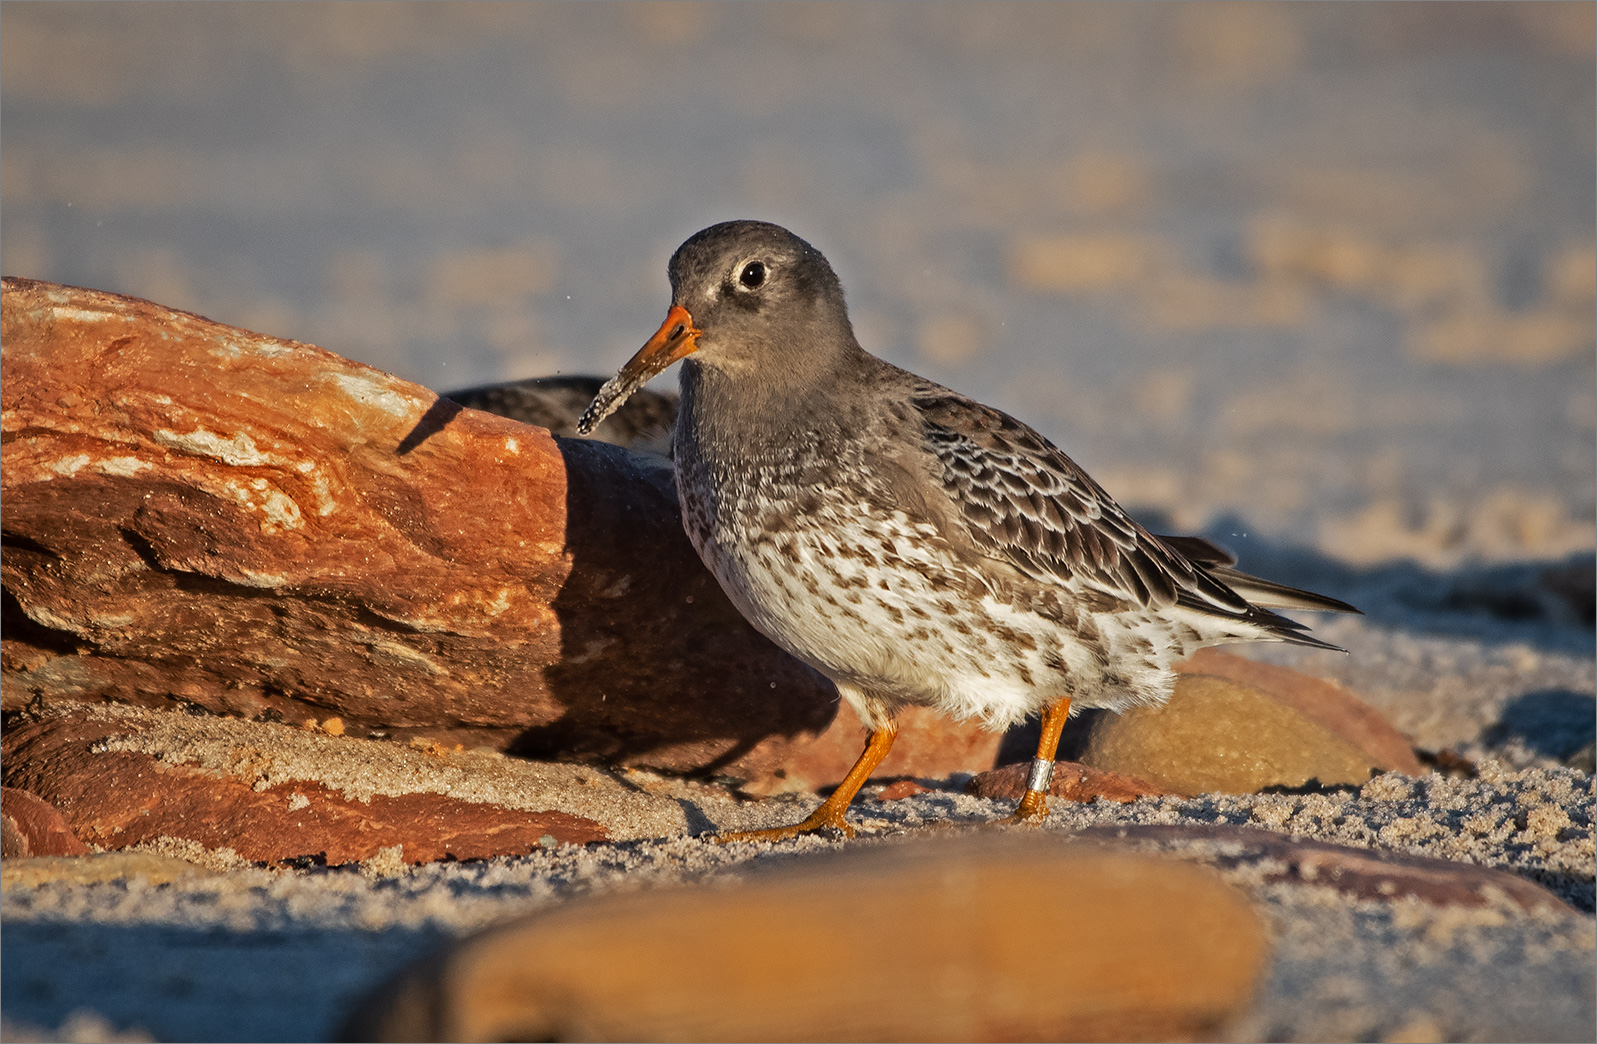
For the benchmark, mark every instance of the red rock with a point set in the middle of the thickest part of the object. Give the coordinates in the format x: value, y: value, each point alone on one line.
x: 904, y: 788
x: 33, y: 827
x: 199, y: 516
x: 1318, y: 700
x: 118, y: 798
x: 1072, y: 781
x: 1362, y: 872
x: 929, y: 745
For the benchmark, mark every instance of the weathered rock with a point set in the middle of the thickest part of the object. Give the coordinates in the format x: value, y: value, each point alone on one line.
x: 1072, y: 781
x: 1361, y: 872
x: 950, y: 938
x: 271, y: 793
x: 199, y: 516
x: 1218, y: 736
x: 32, y: 827
x: 1321, y: 701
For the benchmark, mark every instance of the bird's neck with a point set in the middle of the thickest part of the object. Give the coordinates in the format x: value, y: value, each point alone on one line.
x: 735, y: 412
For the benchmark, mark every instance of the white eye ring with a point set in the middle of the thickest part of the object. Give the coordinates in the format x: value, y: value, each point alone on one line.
x: 751, y: 275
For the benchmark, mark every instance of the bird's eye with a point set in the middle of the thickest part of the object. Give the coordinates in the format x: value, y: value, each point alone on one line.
x: 753, y: 275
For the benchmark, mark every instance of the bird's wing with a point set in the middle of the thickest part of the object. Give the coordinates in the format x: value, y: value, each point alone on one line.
x: 1025, y: 503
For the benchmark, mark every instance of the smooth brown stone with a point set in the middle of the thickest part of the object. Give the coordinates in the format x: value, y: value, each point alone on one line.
x: 202, y: 517
x: 1361, y: 872
x: 1072, y: 781
x: 1219, y: 736
x: 940, y: 941
x: 33, y: 827
x: 117, y: 799
x: 1319, y: 700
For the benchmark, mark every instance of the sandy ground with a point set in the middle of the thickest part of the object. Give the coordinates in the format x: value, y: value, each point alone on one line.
x: 263, y: 954
x: 1317, y: 281
x: 255, y: 954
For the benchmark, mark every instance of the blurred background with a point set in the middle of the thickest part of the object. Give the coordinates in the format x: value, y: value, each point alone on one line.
x: 1323, y: 273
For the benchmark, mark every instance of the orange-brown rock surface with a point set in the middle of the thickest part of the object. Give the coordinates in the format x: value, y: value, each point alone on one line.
x: 1221, y: 736
x: 118, y: 797
x: 1237, y: 726
x: 199, y: 516
x: 31, y: 826
x: 935, y: 941
x: 1324, y: 702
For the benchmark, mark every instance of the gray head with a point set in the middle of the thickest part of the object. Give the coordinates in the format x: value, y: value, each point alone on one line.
x: 749, y: 300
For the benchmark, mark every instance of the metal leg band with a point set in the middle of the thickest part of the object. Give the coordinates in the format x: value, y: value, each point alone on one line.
x: 1042, y: 774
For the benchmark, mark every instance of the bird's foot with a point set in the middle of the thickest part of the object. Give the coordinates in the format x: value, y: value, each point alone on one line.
x: 822, y: 819
x: 1032, y: 810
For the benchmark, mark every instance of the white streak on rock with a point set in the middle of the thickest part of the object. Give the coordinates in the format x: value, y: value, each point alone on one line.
x: 84, y: 315
x: 369, y: 392
x: 69, y: 466
x: 239, y: 451
x: 126, y: 467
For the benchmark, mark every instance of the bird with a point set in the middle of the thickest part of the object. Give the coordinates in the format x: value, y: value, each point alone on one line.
x: 914, y: 546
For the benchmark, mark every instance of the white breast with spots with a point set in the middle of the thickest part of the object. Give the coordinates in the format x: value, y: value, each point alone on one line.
x: 868, y: 597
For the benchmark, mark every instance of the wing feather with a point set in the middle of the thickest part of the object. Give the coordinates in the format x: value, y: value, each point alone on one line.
x: 1026, y: 503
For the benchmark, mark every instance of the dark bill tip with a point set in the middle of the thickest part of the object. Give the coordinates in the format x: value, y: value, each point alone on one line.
x: 676, y: 338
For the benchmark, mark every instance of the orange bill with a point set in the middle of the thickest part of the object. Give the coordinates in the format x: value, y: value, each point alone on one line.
x: 674, y: 340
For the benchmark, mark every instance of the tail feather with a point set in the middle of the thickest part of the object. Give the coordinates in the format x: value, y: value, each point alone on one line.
x: 1299, y: 638
x: 1288, y: 630
x: 1272, y: 595
x: 1262, y: 596
x: 1220, y: 563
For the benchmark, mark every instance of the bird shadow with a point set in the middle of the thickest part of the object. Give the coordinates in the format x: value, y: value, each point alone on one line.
x: 657, y: 666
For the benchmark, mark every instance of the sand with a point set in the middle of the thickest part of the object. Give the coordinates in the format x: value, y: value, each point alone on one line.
x: 246, y: 952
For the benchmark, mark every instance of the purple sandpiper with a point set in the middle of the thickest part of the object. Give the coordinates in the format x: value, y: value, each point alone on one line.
x: 914, y: 546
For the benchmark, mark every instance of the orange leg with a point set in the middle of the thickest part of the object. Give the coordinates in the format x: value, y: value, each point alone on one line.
x: 830, y: 814
x: 1033, y: 807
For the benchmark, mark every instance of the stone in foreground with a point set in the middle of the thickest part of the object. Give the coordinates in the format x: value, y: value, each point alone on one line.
x: 939, y: 941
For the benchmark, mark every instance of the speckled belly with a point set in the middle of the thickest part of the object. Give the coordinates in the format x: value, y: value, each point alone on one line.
x: 868, y: 601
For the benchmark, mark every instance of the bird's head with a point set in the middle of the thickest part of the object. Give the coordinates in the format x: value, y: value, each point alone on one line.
x: 749, y: 299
